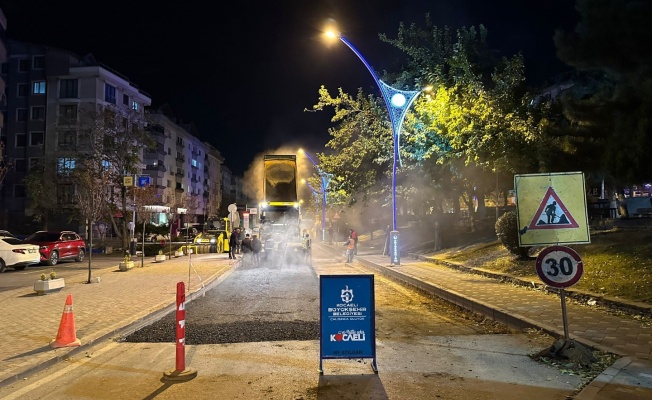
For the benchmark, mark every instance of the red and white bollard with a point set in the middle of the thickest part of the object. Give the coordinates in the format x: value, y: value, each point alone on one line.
x: 180, y: 373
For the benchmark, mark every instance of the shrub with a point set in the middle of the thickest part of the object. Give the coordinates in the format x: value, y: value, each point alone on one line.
x: 507, y: 232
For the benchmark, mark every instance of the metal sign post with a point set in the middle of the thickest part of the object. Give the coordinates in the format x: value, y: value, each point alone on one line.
x: 560, y: 266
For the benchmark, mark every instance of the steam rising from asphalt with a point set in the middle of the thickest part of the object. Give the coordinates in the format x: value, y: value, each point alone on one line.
x: 363, y: 215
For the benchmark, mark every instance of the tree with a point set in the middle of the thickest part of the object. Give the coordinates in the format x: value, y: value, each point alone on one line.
x: 611, y: 43
x: 92, y: 179
x: 118, y: 138
x: 41, y: 186
x: 144, y: 200
x: 361, y: 142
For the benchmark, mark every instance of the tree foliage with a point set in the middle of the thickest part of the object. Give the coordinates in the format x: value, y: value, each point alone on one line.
x: 609, y: 109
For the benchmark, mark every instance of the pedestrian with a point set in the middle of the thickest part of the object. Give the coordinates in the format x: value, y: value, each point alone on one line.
x: 330, y: 235
x: 246, y: 248
x: 354, y: 235
x: 240, y: 238
x: 269, y: 248
x: 256, y: 247
x: 350, y: 249
x: 305, y: 245
x: 233, y: 243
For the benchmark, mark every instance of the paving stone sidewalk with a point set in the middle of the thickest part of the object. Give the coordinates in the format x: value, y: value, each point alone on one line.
x: 629, y: 378
x: 101, y: 310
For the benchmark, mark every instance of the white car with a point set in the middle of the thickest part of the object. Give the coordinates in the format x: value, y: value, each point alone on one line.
x: 16, y: 254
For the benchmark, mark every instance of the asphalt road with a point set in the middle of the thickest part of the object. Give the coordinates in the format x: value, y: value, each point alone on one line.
x: 426, y: 349
x: 11, y: 279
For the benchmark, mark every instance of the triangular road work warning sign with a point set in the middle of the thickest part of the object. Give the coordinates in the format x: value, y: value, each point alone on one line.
x: 552, y: 213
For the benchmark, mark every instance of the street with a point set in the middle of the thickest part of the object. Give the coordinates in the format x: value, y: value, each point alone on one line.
x: 426, y: 349
x: 11, y: 279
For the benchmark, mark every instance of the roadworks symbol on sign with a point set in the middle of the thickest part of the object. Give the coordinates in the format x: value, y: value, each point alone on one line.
x: 552, y: 213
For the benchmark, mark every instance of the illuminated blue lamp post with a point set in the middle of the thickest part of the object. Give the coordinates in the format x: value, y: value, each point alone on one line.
x: 315, y: 194
x: 397, y: 102
x: 325, y: 179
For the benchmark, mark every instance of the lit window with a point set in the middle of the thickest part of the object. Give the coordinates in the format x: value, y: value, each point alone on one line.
x: 39, y: 87
x: 65, y: 165
x: 134, y: 106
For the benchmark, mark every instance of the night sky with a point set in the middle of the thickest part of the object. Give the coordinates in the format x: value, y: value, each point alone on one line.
x: 244, y: 72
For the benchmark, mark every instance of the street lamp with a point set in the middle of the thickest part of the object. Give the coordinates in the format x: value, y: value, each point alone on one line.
x: 397, y: 102
x: 315, y: 194
x: 325, y: 179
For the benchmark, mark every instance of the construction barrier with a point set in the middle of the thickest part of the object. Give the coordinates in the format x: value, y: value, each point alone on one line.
x: 180, y: 373
x: 67, y: 335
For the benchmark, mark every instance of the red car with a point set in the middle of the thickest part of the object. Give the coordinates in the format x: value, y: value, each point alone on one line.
x: 58, y: 245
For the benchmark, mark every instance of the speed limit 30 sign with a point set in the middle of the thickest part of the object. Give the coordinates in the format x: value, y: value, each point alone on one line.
x: 559, y: 266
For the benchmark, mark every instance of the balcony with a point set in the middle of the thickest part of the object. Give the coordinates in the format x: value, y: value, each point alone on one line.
x: 155, y: 167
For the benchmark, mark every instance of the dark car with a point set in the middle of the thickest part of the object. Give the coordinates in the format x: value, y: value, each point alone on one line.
x: 58, y: 245
x: 187, y: 233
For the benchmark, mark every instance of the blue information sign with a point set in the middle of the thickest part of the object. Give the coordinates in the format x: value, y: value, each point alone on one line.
x: 143, y: 180
x: 347, y: 317
x: 394, y: 248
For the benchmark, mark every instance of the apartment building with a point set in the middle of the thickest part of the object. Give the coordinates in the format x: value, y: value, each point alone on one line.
x: 47, y: 91
x: 185, y: 170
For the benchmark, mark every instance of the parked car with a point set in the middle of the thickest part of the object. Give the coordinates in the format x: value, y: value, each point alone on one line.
x: 16, y: 254
x: 6, y: 234
x: 187, y: 233
x: 156, y: 237
x: 218, y: 237
x: 58, y: 245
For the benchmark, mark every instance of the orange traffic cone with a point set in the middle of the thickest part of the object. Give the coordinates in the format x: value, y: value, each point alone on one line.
x: 66, y: 337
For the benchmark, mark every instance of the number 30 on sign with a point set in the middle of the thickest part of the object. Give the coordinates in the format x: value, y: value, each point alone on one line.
x: 559, y: 266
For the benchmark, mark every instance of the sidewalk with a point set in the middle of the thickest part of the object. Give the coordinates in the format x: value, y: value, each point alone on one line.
x: 30, y: 321
x: 629, y: 378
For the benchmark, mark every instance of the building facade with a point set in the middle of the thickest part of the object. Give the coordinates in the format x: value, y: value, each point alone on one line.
x: 46, y: 97
x: 48, y: 91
